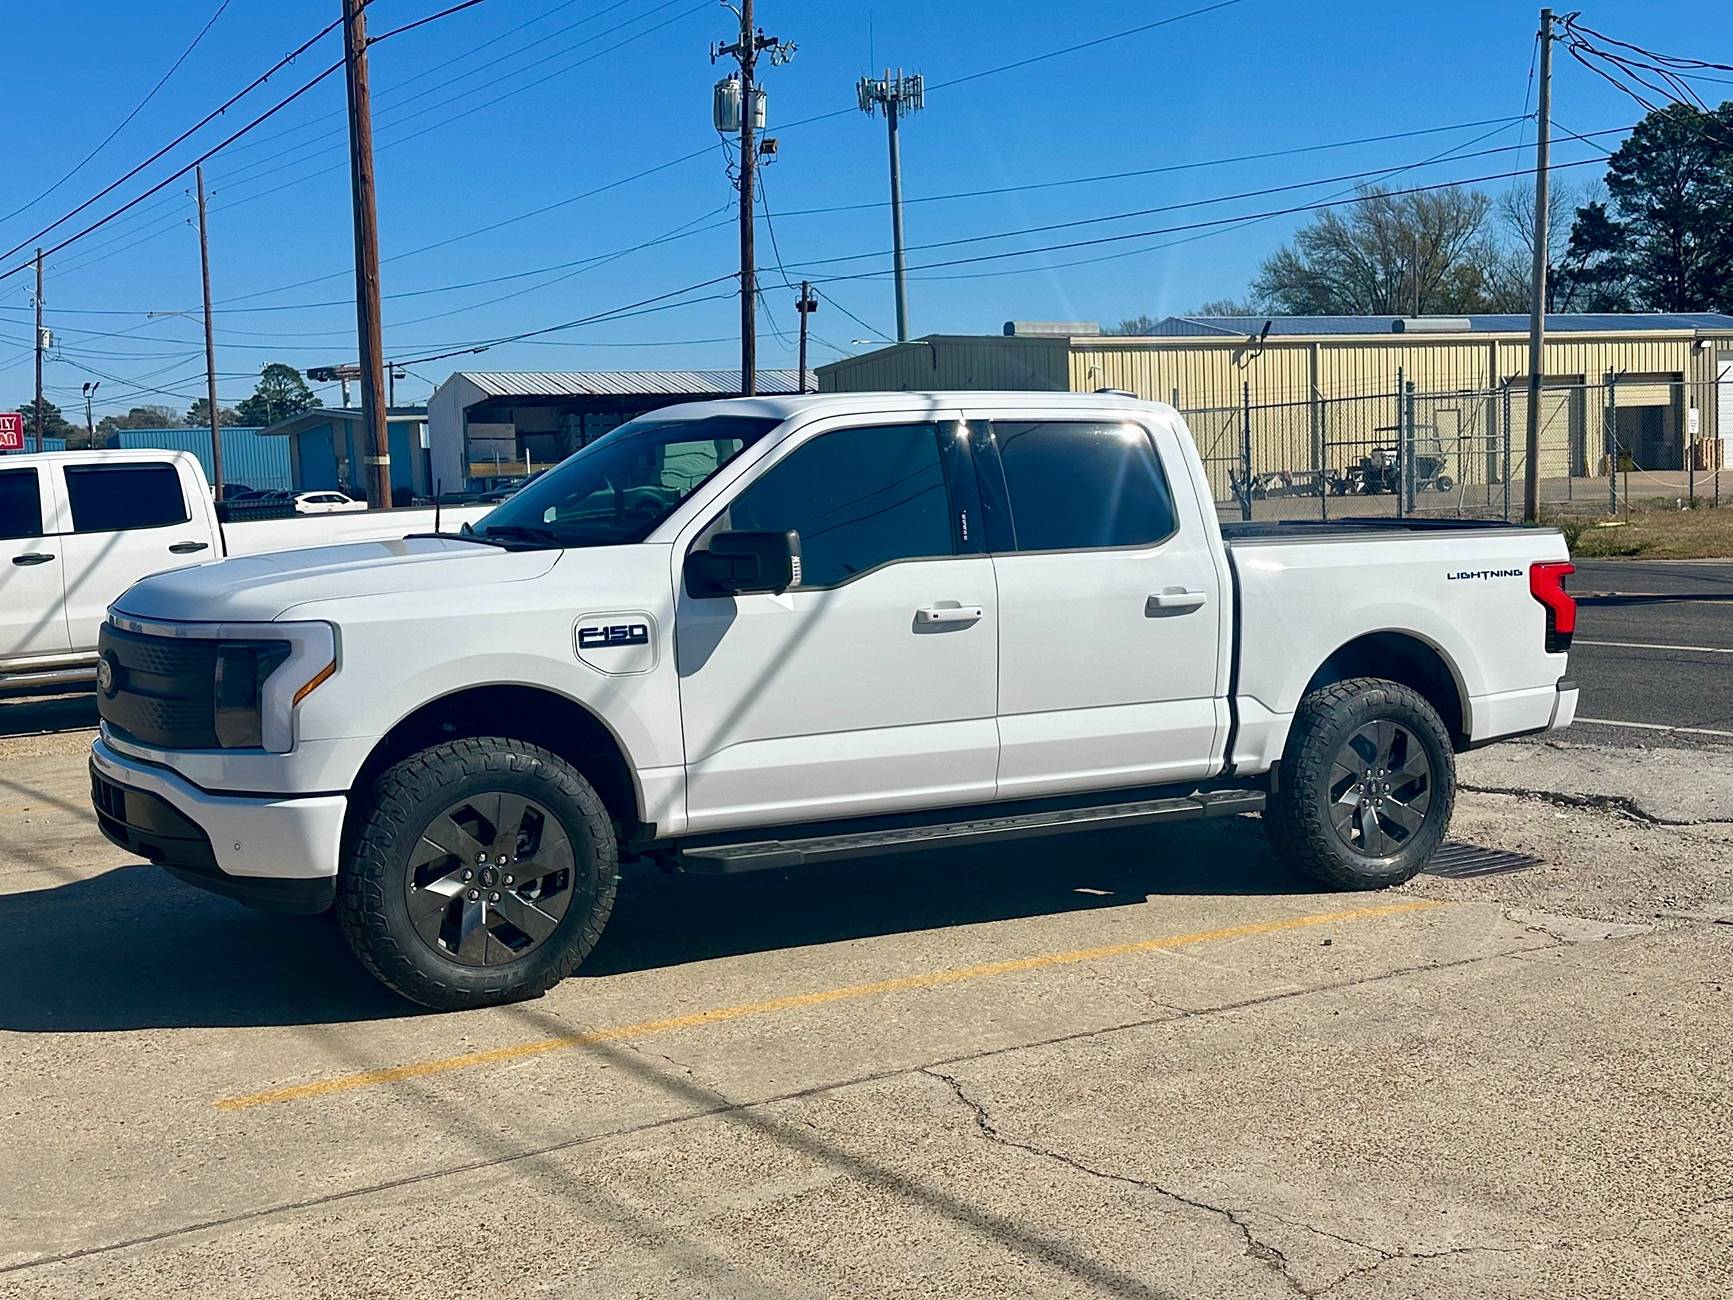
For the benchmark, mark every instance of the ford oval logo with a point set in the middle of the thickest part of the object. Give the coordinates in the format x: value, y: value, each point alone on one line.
x: 105, y: 675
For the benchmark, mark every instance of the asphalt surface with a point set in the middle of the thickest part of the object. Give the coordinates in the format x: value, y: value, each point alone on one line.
x: 1654, y: 646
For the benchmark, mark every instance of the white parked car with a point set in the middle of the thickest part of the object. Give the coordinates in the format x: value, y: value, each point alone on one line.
x: 77, y: 528
x: 765, y: 632
x: 326, y: 503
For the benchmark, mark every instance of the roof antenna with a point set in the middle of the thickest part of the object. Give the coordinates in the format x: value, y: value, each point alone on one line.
x: 437, y: 496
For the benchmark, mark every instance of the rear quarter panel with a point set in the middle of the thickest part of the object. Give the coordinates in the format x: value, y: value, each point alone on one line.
x: 1464, y: 594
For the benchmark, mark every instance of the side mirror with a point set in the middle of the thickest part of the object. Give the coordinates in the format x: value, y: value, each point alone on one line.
x: 741, y: 563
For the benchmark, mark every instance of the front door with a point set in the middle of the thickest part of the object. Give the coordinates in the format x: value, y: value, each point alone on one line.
x: 127, y: 520
x: 32, y: 608
x: 1110, y: 607
x: 870, y: 686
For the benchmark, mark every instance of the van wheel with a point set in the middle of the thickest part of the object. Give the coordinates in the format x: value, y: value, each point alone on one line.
x: 1366, y: 785
x: 482, y: 871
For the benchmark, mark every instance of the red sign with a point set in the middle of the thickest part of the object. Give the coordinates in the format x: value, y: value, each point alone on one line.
x: 11, y: 431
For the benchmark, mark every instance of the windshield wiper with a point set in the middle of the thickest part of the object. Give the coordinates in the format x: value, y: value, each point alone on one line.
x: 521, y: 532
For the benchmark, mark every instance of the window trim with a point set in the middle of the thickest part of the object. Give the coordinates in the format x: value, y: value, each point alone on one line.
x: 950, y: 462
x: 990, y: 466
x: 152, y: 466
x: 43, y: 519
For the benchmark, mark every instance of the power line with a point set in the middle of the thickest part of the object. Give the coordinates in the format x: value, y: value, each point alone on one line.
x: 125, y: 121
x: 182, y: 137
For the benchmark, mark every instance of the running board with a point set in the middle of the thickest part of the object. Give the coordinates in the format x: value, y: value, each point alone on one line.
x: 762, y: 855
x: 30, y: 677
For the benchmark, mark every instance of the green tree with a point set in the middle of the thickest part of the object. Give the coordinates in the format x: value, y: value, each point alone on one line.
x: 280, y: 393
x: 1388, y: 254
x: 54, y: 424
x: 199, y: 414
x: 1663, y: 240
x: 139, y: 417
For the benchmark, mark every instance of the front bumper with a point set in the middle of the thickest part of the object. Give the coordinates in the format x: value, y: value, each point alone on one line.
x: 270, y: 851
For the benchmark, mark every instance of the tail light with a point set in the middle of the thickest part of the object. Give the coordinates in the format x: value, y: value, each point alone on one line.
x: 1546, y: 583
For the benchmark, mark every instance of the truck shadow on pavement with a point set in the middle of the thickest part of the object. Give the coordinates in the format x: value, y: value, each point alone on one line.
x: 132, y: 948
x: 28, y: 715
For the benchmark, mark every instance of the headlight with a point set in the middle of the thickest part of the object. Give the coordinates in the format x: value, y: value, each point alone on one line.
x: 259, y: 682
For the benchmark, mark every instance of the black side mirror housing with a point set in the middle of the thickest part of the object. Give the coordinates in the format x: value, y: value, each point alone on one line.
x: 738, y: 564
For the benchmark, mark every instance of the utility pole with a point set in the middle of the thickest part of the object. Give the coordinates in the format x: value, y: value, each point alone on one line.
x: 1537, y: 286
x: 89, y: 421
x: 896, y: 95
x: 742, y: 91
x: 210, y: 348
x: 377, y: 447
x: 806, y: 304
x: 39, y: 338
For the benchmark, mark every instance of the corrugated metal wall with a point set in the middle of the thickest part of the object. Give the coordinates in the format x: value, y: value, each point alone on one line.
x: 942, y: 362
x: 248, y: 459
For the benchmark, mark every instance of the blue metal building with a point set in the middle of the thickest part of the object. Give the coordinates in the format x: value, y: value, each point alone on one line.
x: 248, y: 459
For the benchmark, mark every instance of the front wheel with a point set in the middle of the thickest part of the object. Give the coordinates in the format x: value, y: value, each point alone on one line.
x: 1366, y: 786
x: 482, y: 871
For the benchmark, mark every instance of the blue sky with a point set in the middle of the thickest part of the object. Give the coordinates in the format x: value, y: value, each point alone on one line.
x: 521, y: 105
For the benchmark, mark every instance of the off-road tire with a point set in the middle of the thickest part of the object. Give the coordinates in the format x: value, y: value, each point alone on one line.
x: 1296, y: 817
x: 371, y: 894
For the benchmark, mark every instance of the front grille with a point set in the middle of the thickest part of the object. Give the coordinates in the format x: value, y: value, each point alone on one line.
x: 161, y: 693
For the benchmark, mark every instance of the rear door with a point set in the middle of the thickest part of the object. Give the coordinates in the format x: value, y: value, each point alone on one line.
x: 1110, y: 611
x: 870, y: 686
x: 125, y: 519
x: 32, y: 608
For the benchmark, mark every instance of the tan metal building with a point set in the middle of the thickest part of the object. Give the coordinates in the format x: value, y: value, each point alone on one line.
x: 1321, y: 387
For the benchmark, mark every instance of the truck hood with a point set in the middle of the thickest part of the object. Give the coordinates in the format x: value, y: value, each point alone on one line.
x: 260, y: 588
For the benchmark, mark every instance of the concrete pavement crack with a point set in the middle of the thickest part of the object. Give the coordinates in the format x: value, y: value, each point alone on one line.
x: 1367, y: 1270
x: 1619, y: 804
x: 1259, y: 1250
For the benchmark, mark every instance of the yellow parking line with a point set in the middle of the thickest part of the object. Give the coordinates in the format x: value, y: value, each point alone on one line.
x: 931, y: 979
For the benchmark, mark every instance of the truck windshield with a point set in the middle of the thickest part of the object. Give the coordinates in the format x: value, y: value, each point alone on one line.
x: 620, y: 487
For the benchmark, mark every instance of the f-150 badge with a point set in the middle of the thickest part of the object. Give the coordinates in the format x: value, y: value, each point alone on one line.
x: 613, y: 634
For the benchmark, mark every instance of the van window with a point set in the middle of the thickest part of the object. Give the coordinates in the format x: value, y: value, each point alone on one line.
x: 115, y: 498
x: 20, y: 504
x: 858, y: 498
x: 1083, y: 484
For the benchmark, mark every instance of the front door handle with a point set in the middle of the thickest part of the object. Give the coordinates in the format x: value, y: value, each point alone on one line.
x: 1177, y: 598
x: 31, y: 557
x: 187, y: 548
x: 949, y: 614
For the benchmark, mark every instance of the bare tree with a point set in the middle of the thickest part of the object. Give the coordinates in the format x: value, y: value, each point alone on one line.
x: 1407, y: 254
x: 1509, y: 269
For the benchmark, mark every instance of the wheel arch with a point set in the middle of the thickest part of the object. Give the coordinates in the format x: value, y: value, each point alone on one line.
x: 515, y: 711
x: 1406, y: 658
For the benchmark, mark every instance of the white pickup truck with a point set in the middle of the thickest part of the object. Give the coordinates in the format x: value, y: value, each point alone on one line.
x: 764, y: 632
x: 77, y: 528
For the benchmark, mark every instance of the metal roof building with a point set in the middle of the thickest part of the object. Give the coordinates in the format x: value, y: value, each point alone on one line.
x: 486, y: 423
x: 1308, y: 397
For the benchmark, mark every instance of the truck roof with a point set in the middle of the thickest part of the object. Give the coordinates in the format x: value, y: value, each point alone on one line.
x: 909, y: 403
x: 95, y: 457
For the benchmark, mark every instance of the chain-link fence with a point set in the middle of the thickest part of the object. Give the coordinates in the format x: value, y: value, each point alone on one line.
x: 1463, y: 453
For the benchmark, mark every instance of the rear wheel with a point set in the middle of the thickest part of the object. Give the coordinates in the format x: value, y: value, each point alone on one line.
x: 1366, y: 785
x: 483, y: 871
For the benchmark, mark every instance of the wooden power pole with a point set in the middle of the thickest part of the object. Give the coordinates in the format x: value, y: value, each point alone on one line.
x: 1537, y: 285
x: 210, y: 347
x: 39, y: 446
x: 806, y: 304
x: 376, y: 453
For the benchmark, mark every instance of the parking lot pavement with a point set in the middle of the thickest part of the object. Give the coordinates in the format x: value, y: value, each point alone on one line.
x: 1145, y: 1064
x: 1653, y: 652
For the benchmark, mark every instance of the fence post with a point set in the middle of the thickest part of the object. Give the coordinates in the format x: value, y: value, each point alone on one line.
x: 1401, y: 420
x: 1323, y: 410
x: 1506, y: 426
x: 1246, y: 451
x: 1612, y: 419
x: 1175, y: 401
x: 1690, y: 445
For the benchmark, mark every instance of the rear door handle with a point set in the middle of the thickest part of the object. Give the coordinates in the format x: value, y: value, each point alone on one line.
x: 1175, y: 598
x: 949, y: 614
x: 31, y: 557
x: 187, y: 548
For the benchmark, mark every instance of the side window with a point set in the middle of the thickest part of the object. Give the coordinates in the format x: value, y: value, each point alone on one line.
x: 858, y: 498
x: 114, y: 498
x: 20, y: 504
x: 1077, y: 485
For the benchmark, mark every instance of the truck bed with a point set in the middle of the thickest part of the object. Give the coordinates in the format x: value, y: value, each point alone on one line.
x: 1356, y: 528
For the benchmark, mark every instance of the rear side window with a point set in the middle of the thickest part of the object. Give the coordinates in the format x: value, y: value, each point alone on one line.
x: 1083, y: 485
x: 20, y: 504
x: 115, y: 498
x: 858, y: 498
